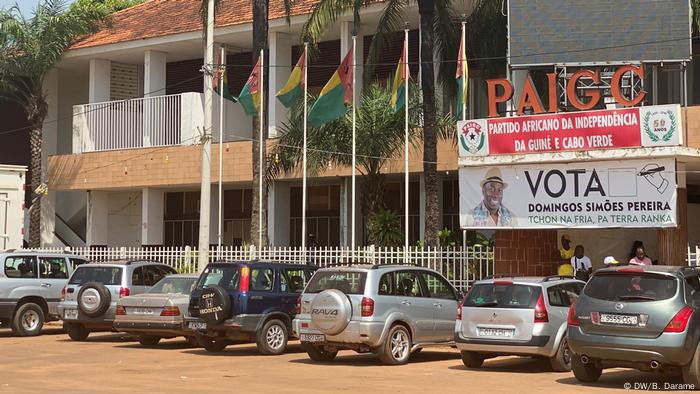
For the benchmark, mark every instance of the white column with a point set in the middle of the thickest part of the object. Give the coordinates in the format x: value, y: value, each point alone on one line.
x: 97, y: 218
x: 278, y: 213
x: 99, y: 81
x: 154, y: 64
x: 345, y: 46
x: 152, y: 208
x: 421, y: 218
x: 280, y: 57
x: 49, y: 146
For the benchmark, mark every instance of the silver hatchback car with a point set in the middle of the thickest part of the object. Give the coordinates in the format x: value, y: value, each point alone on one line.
x: 89, y: 300
x: 517, y: 316
x: 387, y: 310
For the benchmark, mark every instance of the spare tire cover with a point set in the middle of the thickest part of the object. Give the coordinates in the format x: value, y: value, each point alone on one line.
x: 94, y: 299
x: 331, y: 311
x: 214, y: 304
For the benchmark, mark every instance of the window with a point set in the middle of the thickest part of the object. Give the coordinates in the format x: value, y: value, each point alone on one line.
x: 76, y: 262
x: 152, y: 274
x: 638, y: 287
x: 408, y: 284
x: 349, y: 282
x: 438, y: 286
x: 174, y: 285
x: 104, y: 275
x: 693, y: 282
x: 261, y: 279
x: 293, y: 280
x: 507, y: 296
x: 227, y: 277
x: 53, y: 268
x: 571, y: 291
x: 556, y: 296
x: 137, y: 277
x: 20, y: 267
x: 387, y: 284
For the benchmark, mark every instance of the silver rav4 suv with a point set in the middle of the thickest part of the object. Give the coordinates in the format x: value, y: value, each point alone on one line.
x: 89, y: 300
x: 523, y: 316
x: 387, y: 310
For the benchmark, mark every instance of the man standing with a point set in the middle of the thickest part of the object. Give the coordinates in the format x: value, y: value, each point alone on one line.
x: 566, y: 251
x: 582, y: 264
x: 491, y: 212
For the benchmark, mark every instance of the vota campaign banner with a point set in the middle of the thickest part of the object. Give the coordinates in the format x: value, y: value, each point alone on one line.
x: 630, y: 193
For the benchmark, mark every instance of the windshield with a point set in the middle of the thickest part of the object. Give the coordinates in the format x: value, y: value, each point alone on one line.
x: 173, y: 285
x: 227, y: 277
x: 105, y: 275
x: 631, y: 287
x: 503, y: 296
x: 349, y: 282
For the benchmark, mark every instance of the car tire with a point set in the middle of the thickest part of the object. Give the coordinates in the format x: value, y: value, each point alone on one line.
x: 28, y: 320
x: 212, y: 345
x: 76, y: 331
x: 691, y: 371
x: 586, y: 373
x: 272, y: 338
x: 397, y: 346
x: 217, y: 302
x: 319, y: 354
x: 561, y: 362
x: 148, y: 340
x: 472, y: 359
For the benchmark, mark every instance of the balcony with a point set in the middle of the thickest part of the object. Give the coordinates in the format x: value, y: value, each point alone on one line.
x: 151, y: 122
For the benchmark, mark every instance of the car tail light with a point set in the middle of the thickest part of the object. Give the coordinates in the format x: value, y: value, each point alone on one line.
x: 571, y: 318
x: 680, y: 320
x: 459, y: 311
x: 367, y: 307
x: 63, y: 293
x: 121, y: 311
x: 124, y: 292
x: 503, y: 282
x: 170, y: 311
x: 297, y: 306
x: 630, y: 269
x: 541, y: 311
x: 245, y: 279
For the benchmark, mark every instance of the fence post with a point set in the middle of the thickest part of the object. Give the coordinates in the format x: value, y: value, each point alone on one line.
x: 122, y: 252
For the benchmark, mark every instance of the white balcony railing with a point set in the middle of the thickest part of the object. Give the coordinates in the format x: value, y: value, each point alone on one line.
x: 148, y: 122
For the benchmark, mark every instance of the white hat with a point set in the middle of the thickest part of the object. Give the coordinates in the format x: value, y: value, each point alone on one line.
x: 610, y: 260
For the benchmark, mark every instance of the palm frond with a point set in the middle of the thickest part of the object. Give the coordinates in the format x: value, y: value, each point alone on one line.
x: 288, y: 11
x: 323, y: 15
x: 446, y: 42
x: 390, y: 21
x: 203, y: 11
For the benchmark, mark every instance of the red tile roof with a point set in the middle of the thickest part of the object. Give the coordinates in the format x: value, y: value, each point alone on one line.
x: 157, y: 18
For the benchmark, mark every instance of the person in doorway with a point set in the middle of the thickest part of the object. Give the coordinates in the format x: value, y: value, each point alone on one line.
x: 491, y: 212
x: 640, y: 257
x: 633, y: 251
x: 581, y: 264
x: 566, y: 251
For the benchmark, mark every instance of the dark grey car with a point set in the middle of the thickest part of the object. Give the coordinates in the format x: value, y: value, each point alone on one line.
x: 637, y: 317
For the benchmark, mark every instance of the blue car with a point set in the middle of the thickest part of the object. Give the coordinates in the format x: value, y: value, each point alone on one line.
x: 243, y: 302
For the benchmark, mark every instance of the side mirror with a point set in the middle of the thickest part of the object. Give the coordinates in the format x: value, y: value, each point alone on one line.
x: 460, y: 295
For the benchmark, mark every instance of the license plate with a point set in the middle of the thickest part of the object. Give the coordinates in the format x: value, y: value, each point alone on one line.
x: 70, y: 314
x: 197, y: 325
x: 496, y: 332
x: 312, y: 338
x: 142, y: 311
x: 624, y: 320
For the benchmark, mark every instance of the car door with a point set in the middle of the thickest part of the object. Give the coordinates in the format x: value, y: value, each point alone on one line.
x: 261, y: 296
x: 559, y: 303
x: 23, y: 277
x: 292, y: 283
x: 444, y: 301
x: 413, y: 300
x: 53, y: 275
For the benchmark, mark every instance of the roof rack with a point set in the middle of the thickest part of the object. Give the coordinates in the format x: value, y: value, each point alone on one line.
x: 377, y: 266
x: 496, y: 276
x: 555, y: 277
x: 344, y: 264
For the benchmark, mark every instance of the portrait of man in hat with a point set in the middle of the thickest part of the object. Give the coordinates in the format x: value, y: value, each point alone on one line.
x: 491, y: 212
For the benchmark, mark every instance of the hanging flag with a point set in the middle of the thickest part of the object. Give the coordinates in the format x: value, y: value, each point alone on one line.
x: 335, y: 96
x: 401, y: 77
x: 294, y: 86
x: 220, y: 82
x: 462, y: 77
x: 250, y: 94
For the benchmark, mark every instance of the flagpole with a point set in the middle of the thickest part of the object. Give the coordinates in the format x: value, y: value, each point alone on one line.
x: 222, y: 74
x: 260, y: 156
x: 303, y: 176
x: 463, y: 58
x: 352, y: 214
x: 405, y: 137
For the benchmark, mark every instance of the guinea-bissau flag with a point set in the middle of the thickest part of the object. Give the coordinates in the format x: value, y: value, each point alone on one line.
x: 250, y: 94
x: 335, y: 96
x: 398, y: 87
x: 295, y: 84
x: 462, y: 77
x: 220, y: 83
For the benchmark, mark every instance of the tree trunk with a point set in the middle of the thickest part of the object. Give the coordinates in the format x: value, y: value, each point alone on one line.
x: 426, y: 10
x: 372, y: 194
x: 36, y: 116
x: 260, y: 27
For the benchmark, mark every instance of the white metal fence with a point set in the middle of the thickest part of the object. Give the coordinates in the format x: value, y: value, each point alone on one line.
x: 461, y: 265
x: 693, y: 256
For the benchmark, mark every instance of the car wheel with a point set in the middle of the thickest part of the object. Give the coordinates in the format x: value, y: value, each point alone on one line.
x: 584, y: 372
x: 76, y: 332
x: 148, y: 340
x: 192, y: 341
x: 94, y: 299
x: 472, y: 359
x: 28, y: 320
x: 318, y: 354
x: 272, y: 338
x: 397, y: 348
x: 212, y: 345
x: 691, y: 371
x: 561, y: 362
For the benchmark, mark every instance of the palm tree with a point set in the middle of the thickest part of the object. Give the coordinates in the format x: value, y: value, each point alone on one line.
x: 438, y: 34
x: 380, y: 139
x: 29, y: 49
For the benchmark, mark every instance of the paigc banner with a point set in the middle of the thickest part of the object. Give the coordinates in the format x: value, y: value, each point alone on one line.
x: 658, y: 125
x: 630, y: 193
